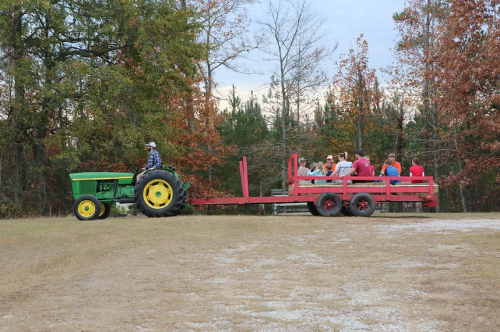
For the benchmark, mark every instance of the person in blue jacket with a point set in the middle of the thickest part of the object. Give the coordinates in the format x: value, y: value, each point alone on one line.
x: 391, y: 171
x: 318, y: 172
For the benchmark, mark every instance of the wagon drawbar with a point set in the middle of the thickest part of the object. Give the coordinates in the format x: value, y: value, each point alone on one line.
x: 333, y: 199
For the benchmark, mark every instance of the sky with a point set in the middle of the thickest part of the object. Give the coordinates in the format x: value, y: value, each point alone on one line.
x: 345, y: 21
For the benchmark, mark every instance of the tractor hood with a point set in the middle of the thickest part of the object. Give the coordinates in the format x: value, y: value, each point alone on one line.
x: 123, y: 178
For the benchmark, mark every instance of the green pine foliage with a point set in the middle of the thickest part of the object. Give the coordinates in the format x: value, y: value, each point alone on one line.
x: 84, y: 84
x: 245, y: 128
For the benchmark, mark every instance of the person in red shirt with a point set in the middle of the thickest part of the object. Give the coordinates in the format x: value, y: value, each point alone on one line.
x: 416, y: 170
x: 372, y: 167
x: 361, y: 166
x: 392, y: 157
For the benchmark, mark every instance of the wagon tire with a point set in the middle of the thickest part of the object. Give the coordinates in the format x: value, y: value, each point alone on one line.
x: 328, y: 204
x: 362, y: 205
x: 346, y: 212
x: 159, y: 194
x: 312, y: 208
x: 87, y: 208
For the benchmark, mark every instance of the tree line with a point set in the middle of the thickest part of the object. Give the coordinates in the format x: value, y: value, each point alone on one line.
x: 84, y: 84
x: 438, y: 101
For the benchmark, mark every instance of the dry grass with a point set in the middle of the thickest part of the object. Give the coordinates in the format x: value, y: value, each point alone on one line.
x: 240, y: 273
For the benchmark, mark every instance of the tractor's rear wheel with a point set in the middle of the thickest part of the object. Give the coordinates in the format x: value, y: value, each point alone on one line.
x: 184, y: 201
x: 105, y: 210
x: 184, y: 198
x: 159, y: 194
x: 87, y: 208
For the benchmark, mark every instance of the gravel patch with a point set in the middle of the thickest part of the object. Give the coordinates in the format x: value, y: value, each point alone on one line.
x: 463, y: 225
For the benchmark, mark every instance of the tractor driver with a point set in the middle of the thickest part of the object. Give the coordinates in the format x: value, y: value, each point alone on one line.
x: 154, y: 160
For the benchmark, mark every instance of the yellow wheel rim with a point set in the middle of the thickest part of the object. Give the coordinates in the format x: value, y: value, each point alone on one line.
x: 103, y: 208
x: 158, y: 194
x: 86, y: 208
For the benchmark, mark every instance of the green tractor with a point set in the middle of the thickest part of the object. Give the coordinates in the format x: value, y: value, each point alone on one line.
x: 159, y: 193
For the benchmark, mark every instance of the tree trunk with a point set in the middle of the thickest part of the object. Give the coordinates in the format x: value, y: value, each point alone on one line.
x: 460, y: 169
x: 435, y: 151
x: 360, y: 109
x: 283, y: 172
x: 262, y: 211
x: 283, y: 127
x: 19, y: 173
x: 399, y: 140
x: 189, y: 99
x: 470, y: 198
x: 19, y: 107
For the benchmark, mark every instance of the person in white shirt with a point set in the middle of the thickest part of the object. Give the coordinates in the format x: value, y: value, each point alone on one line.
x: 343, y: 166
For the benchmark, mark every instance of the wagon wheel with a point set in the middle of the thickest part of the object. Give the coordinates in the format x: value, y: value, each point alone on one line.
x: 362, y: 205
x: 346, y: 212
x: 328, y: 204
x: 312, y: 208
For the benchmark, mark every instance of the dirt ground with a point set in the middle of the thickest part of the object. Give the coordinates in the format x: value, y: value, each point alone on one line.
x: 430, y: 272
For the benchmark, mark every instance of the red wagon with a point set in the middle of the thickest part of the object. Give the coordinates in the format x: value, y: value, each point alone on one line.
x: 332, y: 199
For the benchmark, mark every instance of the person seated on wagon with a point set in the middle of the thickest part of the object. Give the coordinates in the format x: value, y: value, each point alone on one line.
x: 416, y: 170
x: 302, y: 171
x: 329, y: 161
x: 328, y: 172
x: 395, y: 163
x: 312, y: 171
x: 319, y: 172
x: 342, y: 167
x: 371, y: 166
x: 361, y: 166
x: 391, y: 171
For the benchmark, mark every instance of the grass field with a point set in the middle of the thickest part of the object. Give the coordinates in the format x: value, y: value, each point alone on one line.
x: 430, y: 272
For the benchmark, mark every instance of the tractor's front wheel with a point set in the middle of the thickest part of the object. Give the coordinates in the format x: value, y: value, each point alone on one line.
x: 105, y: 210
x: 87, y: 208
x: 159, y: 194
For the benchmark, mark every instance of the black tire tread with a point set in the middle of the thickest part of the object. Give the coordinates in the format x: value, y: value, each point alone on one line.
x: 328, y: 213
x: 107, y: 211
x: 346, y: 212
x: 184, y: 200
x: 87, y: 197
x: 175, y: 205
x: 353, y: 205
x: 312, y: 208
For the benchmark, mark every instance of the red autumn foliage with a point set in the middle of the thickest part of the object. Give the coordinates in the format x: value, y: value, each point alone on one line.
x: 469, y: 81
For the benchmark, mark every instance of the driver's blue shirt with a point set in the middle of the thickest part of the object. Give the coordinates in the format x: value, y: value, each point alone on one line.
x: 154, y: 160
